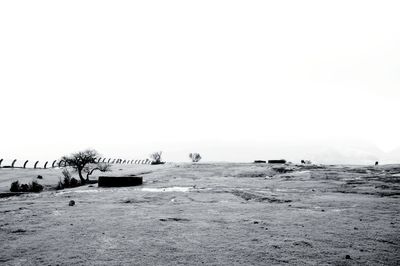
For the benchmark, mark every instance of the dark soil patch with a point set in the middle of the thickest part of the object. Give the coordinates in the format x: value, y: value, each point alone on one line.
x: 302, y: 244
x: 18, y: 231
x: 174, y: 220
x: 10, y: 194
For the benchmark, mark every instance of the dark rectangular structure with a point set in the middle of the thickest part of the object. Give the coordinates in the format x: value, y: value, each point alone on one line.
x: 260, y: 161
x: 277, y: 161
x: 120, y: 181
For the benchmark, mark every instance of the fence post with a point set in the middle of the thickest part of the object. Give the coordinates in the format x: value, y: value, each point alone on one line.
x: 26, y: 163
x: 35, y: 164
x: 104, y: 160
x: 53, y: 164
x: 12, y: 165
x: 109, y: 160
x: 45, y: 165
x: 1, y: 160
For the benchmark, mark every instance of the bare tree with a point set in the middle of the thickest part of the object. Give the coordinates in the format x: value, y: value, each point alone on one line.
x: 195, y: 157
x: 156, y: 157
x: 90, y: 168
x: 79, y: 160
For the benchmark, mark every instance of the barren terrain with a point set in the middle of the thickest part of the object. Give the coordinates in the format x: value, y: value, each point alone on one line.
x: 208, y: 214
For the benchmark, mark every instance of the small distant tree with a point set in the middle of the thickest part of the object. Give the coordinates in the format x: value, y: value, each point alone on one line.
x: 90, y: 168
x: 195, y: 157
x: 79, y: 160
x: 156, y: 157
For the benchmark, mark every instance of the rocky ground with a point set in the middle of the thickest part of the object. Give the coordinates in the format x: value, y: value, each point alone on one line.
x: 208, y: 214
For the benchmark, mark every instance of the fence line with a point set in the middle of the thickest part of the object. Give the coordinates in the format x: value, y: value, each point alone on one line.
x: 63, y: 163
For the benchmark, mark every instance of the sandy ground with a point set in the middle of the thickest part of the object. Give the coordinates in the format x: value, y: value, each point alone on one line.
x: 208, y: 214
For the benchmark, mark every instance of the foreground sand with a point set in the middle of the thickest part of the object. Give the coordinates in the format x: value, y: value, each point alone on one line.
x: 228, y: 214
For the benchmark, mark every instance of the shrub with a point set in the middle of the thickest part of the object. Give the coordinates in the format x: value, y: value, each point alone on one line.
x: 67, y: 175
x: 15, y: 186
x: 67, y: 178
x: 68, y: 181
x: 24, y: 188
x: 74, y: 182
x: 156, y: 157
x: 34, y: 186
x: 60, y: 185
x: 195, y: 157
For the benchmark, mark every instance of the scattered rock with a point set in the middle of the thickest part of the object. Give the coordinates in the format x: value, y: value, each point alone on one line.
x: 71, y: 203
x: 322, y: 210
x: 348, y: 257
x: 355, y: 228
x: 39, y: 177
x: 255, y: 222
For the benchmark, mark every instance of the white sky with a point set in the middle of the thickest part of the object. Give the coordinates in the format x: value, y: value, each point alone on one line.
x: 131, y: 77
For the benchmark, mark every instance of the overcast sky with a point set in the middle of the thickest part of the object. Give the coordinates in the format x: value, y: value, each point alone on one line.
x: 233, y: 79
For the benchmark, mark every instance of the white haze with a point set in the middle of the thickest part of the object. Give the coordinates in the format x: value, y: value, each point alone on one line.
x: 233, y: 80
